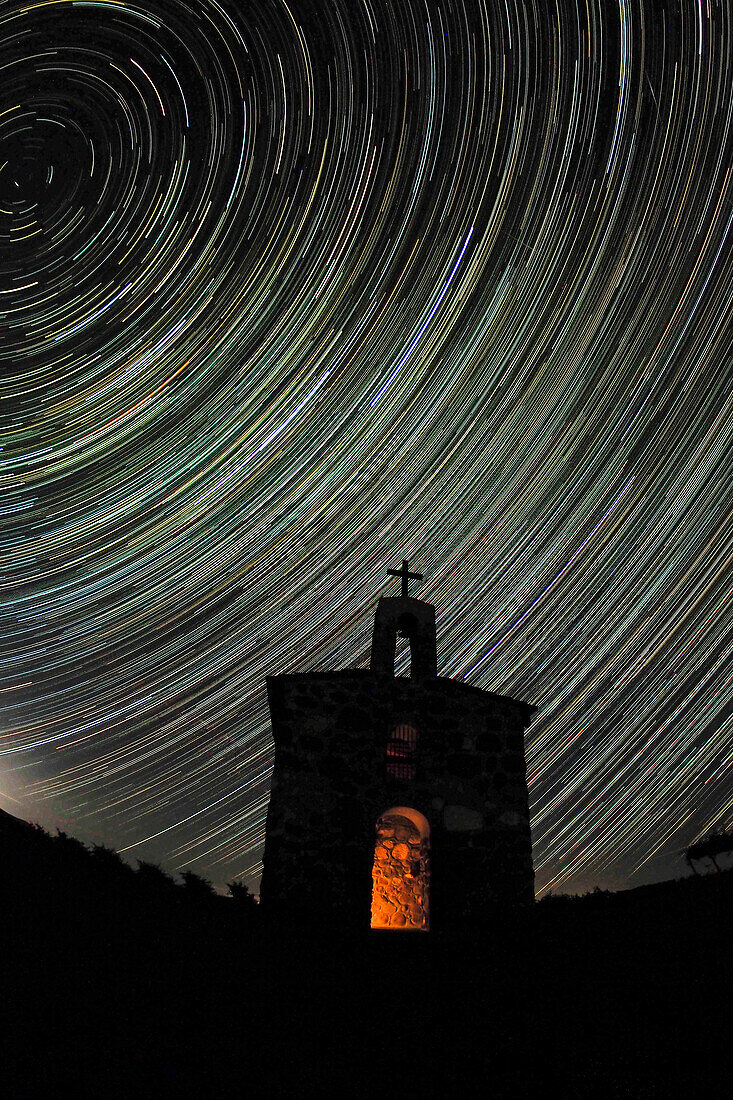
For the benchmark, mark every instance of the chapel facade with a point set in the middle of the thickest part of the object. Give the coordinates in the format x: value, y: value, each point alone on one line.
x: 397, y: 802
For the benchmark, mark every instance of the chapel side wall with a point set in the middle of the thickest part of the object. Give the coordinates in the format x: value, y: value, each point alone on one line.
x: 320, y: 829
x: 472, y: 761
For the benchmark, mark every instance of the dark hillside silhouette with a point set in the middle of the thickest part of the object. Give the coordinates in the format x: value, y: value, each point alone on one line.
x: 122, y: 982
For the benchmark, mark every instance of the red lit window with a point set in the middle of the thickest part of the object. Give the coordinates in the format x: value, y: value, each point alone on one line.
x: 401, y: 752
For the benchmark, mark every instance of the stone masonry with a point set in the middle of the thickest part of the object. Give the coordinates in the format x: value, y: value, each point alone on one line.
x: 400, y: 875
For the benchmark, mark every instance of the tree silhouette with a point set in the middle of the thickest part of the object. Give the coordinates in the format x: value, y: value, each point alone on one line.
x: 197, y: 887
x: 153, y: 878
x: 718, y: 842
x: 244, y: 899
x: 110, y: 862
x: 71, y: 850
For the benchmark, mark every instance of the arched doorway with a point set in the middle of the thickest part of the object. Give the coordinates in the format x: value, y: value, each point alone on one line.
x: 401, y: 871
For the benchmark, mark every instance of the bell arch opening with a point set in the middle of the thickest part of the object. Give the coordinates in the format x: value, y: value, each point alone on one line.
x: 401, y: 871
x: 399, y: 623
x: 403, y: 657
x: 407, y: 628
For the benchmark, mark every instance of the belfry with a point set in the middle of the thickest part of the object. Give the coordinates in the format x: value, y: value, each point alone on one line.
x: 398, y: 802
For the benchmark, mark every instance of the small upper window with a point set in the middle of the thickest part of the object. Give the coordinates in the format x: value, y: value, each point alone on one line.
x: 401, y: 752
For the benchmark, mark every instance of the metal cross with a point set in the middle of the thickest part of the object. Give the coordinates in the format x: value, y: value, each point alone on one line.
x: 405, y: 574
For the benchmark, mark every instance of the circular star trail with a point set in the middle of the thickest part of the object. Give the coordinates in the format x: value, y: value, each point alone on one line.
x: 291, y: 291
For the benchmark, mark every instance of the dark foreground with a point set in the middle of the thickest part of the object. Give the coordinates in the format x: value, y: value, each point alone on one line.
x: 609, y: 995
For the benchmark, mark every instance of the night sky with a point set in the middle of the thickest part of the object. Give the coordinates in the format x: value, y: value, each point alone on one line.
x: 292, y: 291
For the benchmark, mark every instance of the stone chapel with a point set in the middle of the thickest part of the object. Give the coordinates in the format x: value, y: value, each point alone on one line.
x: 398, y: 802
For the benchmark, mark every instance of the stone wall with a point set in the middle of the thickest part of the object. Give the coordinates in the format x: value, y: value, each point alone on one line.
x: 400, y: 876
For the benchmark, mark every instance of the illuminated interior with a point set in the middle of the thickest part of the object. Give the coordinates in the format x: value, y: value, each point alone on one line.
x: 401, y: 871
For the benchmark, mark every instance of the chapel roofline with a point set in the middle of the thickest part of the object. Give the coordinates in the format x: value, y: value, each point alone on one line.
x: 368, y: 673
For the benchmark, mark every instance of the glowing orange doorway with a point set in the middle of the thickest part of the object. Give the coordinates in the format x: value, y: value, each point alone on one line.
x: 401, y: 871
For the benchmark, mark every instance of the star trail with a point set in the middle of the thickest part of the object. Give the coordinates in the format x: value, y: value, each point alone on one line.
x: 293, y: 291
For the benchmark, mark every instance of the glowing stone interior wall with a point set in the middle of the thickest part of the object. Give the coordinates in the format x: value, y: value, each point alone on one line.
x: 400, y: 876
